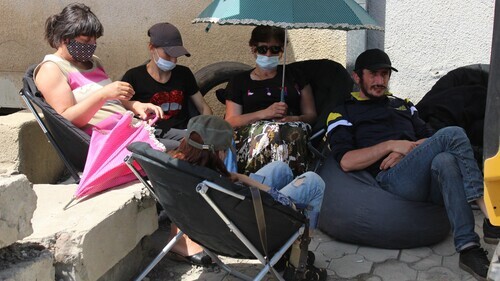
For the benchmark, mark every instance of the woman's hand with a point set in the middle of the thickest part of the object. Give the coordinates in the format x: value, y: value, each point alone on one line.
x: 290, y: 119
x: 145, y: 111
x: 276, y: 110
x: 118, y: 90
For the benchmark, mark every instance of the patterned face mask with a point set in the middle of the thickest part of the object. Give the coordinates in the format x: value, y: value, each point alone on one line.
x: 81, y: 52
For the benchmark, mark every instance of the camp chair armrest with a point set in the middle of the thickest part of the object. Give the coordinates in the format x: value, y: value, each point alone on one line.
x: 203, y: 187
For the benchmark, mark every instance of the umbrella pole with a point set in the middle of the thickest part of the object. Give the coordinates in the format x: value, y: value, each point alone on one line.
x: 70, y: 201
x: 282, y: 97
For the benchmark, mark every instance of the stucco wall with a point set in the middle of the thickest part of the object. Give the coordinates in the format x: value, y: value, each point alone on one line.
x: 426, y: 39
x: 125, y: 41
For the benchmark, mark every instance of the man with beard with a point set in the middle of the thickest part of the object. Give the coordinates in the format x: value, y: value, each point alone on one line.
x: 380, y: 133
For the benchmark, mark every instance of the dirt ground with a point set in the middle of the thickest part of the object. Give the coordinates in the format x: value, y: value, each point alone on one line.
x: 18, y: 253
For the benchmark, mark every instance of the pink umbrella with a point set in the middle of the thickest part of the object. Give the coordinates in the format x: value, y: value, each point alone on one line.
x: 105, y: 166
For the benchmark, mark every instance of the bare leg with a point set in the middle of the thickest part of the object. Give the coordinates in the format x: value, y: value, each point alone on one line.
x: 185, y: 246
x: 482, y: 206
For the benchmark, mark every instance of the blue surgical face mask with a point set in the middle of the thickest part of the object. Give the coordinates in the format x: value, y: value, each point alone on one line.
x: 267, y: 63
x: 164, y: 64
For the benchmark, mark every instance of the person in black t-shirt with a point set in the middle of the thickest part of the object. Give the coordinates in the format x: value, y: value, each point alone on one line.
x: 254, y: 98
x: 164, y: 83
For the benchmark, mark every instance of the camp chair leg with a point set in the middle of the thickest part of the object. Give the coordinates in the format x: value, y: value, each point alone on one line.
x: 160, y: 256
x: 268, y: 266
x: 129, y: 160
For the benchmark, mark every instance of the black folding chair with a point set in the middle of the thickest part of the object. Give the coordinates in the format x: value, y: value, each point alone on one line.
x: 221, y: 216
x: 331, y: 85
x: 70, y: 143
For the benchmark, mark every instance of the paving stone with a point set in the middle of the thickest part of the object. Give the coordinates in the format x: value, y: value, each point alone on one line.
x: 413, y: 255
x: 395, y: 271
x: 335, y: 249
x: 374, y: 278
x: 378, y: 255
x: 494, y: 271
x: 445, y: 248
x: 438, y: 273
x: 428, y: 262
x: 451, y: 262
x: 351, y: 266
x: 318, y: 237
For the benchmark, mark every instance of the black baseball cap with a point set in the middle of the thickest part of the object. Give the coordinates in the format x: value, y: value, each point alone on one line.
x: 373, y: 59
x: 168, y: 37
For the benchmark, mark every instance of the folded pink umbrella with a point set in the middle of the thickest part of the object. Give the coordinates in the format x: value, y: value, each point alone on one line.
x: 105, y: 166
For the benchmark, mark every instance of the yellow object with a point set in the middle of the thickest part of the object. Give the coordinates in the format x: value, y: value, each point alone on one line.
x: 492, y: 188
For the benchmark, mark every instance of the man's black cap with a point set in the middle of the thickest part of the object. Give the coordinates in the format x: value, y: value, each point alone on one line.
x: 373, y: 59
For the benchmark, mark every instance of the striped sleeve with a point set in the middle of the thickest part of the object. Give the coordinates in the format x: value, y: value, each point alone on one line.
x: 339, y: 134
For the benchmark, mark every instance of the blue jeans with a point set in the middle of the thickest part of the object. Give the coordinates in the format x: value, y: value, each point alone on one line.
x: 308, y: 188
x: 441, y: 170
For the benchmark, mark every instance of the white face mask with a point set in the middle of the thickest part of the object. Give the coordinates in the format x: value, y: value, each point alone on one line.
x: 267, y: 63
x: 164, y: 64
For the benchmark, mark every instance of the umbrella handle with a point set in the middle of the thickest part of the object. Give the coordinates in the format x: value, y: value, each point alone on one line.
x: 70, y: 201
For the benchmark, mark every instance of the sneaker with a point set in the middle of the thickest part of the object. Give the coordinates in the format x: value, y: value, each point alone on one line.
x: 491, y: 232
x: 475, y: 261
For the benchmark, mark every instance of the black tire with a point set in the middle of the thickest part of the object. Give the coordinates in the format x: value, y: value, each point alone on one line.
x: 217, y: 73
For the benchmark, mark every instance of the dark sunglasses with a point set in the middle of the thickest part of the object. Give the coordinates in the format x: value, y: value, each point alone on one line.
x: 262, y: 50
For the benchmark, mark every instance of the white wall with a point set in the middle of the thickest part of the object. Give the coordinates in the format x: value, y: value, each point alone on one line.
x: 426, y: 39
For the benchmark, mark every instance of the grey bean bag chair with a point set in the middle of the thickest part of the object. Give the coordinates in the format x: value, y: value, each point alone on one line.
x: 356, y: 210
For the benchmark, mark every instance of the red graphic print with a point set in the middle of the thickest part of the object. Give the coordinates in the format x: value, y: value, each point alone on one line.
x: 171, y: 102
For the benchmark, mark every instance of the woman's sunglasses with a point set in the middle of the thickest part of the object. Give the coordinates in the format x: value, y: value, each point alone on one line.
x: 262, y: 50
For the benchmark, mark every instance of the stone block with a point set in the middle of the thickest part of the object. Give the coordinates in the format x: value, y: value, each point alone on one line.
x: 26, y: 261
x: 27, y: 150
x: 17, y: 204
x: 93, y: 234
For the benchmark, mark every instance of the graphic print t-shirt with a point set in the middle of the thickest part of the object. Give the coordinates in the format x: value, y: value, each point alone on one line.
x: 171, y: 96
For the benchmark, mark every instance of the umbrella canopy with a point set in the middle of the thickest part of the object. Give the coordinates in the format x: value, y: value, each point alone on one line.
x: 330, y: 14
x: 105, y: 166
x: 289, y: 14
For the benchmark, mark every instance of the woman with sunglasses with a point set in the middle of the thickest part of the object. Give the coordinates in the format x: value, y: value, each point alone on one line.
x: 254, y: 107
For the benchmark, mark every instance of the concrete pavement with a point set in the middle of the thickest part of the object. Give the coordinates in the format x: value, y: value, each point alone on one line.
x: 343, y: 261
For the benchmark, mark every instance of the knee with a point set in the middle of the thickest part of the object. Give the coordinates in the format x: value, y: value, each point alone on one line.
x: 452, y: 131
x: 443, y: 161
x: 281, y: 168
x: 315, y: 180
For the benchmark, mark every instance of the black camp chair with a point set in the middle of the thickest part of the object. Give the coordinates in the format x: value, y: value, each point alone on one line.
x: 70, y: 143
x: 218, y: 214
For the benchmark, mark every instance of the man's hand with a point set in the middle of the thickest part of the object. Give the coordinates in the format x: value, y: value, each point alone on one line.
x: 391, y: 160
x: 403, y: 146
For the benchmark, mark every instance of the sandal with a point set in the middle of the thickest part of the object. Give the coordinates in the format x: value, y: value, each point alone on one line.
x: 199, y: 259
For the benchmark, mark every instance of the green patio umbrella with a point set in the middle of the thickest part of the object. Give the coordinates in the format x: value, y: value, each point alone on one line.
x: 326, y: 14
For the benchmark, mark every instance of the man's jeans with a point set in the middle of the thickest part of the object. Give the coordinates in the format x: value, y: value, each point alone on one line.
x: 307, y: 188
x: 441, y: 170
